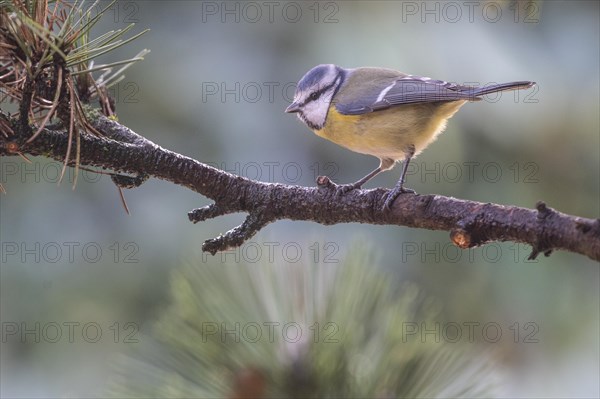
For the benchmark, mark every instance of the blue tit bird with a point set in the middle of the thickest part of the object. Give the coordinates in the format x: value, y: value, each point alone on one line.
x: 381, y: 112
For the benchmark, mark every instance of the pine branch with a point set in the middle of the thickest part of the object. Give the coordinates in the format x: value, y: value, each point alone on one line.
x: 470, y: 223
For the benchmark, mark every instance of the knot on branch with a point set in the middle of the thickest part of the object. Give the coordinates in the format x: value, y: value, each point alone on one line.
x: 587, y: 227
x: 324, y: 182
x: 542, y: 244
x: 543, y: 210
x: 123, y: 181
x: 11, y: 147
x: 467, y: 234
x: 467, y: 238
x: 461, y: 238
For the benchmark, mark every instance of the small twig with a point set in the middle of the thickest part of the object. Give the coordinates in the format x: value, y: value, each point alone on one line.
x: 237, y: 236
x: 208, y: 212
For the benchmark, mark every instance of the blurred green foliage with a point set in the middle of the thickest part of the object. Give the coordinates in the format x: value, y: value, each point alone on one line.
x: 305, y: 330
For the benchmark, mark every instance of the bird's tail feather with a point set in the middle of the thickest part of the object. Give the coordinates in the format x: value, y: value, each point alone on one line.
x: 481, y: 91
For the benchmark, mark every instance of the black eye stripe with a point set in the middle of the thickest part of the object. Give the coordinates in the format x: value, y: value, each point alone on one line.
x: 318, y: 93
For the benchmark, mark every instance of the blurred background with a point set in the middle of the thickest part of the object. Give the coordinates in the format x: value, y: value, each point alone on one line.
x: 214, y: 88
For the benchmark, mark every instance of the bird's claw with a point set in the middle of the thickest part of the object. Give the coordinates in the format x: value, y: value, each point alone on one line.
x: 343, y: 189
x: 392, y: 195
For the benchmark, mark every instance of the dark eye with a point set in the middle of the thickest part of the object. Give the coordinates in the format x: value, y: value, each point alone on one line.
x: 314, y: 96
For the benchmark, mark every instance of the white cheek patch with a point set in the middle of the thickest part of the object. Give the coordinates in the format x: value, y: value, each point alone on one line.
x: 315, y: 112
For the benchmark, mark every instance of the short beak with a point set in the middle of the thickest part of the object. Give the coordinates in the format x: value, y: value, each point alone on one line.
x: 294, y: 107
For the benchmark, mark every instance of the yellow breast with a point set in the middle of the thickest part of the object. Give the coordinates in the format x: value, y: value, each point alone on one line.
x: 389, y: 133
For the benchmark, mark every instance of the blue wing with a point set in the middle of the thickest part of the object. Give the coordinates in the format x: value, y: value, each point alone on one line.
x: 415, y: 89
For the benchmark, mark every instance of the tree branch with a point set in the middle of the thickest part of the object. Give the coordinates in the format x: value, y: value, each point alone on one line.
x: 470, y: 223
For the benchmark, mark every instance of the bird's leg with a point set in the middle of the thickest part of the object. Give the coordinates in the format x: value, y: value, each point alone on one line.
x: 365, y: 179
x: 385, y: 164
x: 399, y: 187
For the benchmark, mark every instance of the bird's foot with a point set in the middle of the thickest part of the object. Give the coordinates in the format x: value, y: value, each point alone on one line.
x: 340, y: 189
x: 392, y: 195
